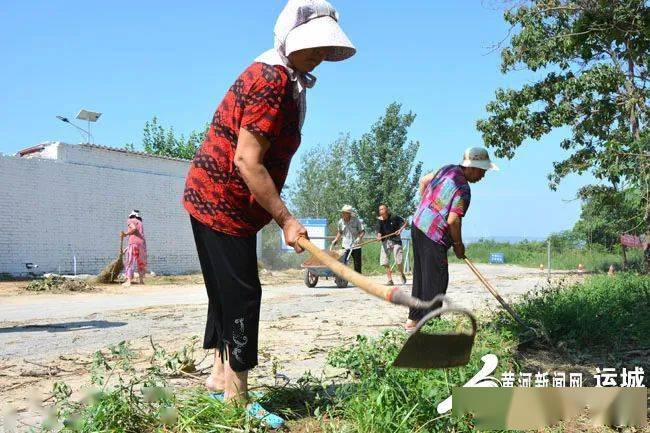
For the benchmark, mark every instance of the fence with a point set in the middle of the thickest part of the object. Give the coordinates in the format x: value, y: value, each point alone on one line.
x: 551, y: 256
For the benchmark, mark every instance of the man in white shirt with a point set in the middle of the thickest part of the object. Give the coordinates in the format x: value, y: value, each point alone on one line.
x: 350, y: 231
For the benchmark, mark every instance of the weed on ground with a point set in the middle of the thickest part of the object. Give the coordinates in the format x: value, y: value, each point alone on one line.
x: 602, y: 315
x: 381, y: 398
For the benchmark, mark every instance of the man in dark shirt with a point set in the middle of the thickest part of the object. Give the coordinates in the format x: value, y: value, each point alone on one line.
x: 389, y: 224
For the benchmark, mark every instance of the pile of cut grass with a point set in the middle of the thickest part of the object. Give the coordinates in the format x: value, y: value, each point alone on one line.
x: 58, y: 284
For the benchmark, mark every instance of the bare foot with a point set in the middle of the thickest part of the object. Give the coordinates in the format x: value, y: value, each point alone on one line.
x: 410, y: 325
x: 127, y: 283
x: 214, y: 383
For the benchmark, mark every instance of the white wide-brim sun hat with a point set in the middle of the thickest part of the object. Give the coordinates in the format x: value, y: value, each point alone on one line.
x: 478, y: 157
x: 320, y: 32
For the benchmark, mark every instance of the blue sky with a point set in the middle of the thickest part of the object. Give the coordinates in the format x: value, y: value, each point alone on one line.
x: 175, y: 60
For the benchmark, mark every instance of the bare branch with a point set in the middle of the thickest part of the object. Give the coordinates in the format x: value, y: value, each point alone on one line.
x: 498, y: 45
x: 642, y: 155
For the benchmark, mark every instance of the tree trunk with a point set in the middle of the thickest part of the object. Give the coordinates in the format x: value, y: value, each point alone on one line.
x: 636, y: 134
x: 634, y: 121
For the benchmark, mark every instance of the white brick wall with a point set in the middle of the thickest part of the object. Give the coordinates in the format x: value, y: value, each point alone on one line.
x: 76, y: 204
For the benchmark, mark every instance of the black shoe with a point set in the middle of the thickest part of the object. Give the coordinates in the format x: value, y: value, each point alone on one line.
x: 403, y: 279
x: 390, y: 283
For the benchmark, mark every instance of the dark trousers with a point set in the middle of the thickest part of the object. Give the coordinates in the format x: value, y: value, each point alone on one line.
x: 430, y: 271
x: 356, y: 256
x: 229, y: 266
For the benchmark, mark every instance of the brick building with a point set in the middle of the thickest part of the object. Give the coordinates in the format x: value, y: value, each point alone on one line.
x: 64, y: 204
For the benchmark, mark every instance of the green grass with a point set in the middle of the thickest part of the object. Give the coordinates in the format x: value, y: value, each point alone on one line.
x: 380, y: 398
x: 127, y: 400
x: 187, y: 411
x: 375, y: 398
x: 604, y: 314
x: 532, y: 254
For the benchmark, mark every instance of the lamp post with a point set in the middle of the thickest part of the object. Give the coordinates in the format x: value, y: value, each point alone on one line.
x: 89, y: 116
x: 65, y: 119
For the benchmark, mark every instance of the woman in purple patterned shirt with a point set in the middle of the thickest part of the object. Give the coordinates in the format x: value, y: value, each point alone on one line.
x: 445, y: 197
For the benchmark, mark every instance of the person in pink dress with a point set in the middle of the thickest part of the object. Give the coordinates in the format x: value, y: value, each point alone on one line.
x: 135, y: 254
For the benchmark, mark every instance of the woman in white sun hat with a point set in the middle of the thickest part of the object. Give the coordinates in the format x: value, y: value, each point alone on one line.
x: 444, y: 200
x: 234, y: 182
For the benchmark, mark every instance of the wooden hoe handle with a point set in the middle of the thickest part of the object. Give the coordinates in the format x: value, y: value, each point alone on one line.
x: 375, y: 240
x: 390, y: 294
x: 494, y: 293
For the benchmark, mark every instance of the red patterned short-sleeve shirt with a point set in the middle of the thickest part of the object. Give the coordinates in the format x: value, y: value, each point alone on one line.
x: 261, y: 101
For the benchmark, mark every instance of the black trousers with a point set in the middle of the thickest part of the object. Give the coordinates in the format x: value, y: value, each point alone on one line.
x: 356, y: 256
x: 430, y: 271
x: 229, y: 266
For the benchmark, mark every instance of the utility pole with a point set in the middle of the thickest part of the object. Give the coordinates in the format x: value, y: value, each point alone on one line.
x: 548, y: 255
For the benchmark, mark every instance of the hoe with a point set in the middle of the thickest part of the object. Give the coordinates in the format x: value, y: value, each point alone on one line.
x: 422, y: 349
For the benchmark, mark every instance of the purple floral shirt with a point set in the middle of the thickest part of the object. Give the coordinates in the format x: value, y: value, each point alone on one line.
x: 448, y: 192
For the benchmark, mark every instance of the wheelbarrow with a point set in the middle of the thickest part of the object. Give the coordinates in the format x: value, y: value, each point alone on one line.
x: 314, y: 270
x: 422, y: 349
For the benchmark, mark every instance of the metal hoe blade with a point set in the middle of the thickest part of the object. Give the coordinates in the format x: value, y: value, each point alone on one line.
x: 425, y: 350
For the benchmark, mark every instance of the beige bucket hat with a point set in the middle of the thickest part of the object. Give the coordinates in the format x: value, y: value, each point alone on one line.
x: 478, y: 157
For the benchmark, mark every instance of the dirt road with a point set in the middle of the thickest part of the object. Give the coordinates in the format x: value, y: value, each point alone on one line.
x: 44, y: 337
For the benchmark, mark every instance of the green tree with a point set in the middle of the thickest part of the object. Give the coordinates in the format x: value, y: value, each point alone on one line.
x: 593, y: 57
x: 384, y: 166
x: 157, y: 140
x: 323, y: 182
x: 606, y: 213
x: 564, y: 240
